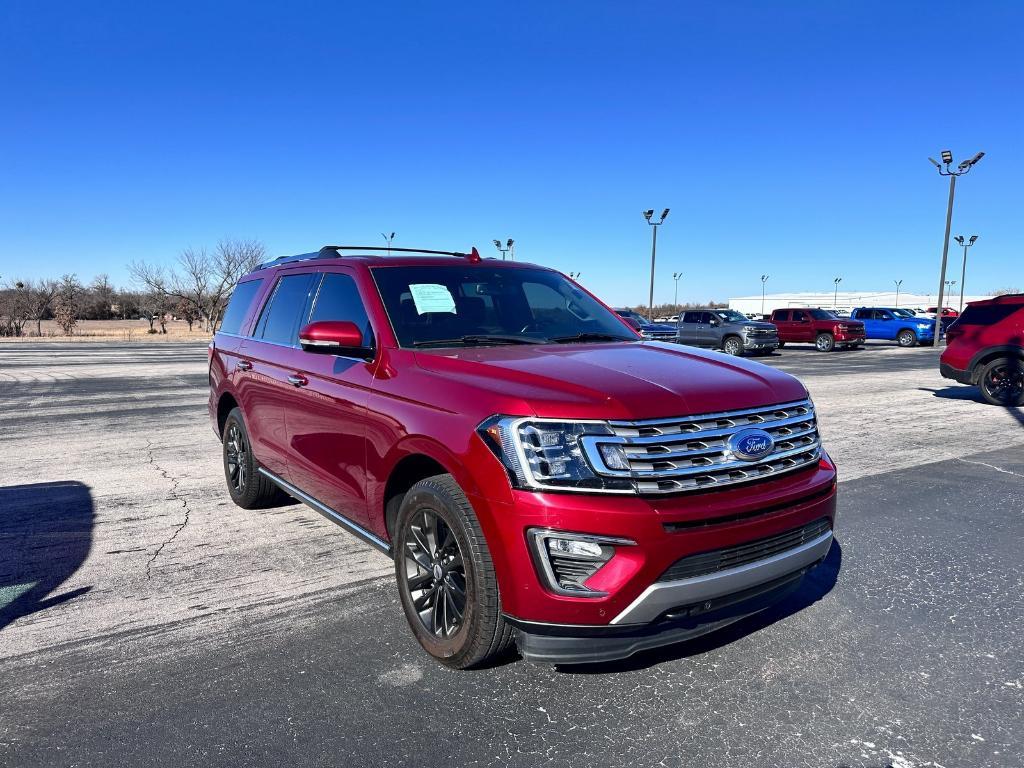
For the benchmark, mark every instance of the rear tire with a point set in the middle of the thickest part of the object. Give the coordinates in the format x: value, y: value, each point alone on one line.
x: 248, y: 488
x: 733, y: 346
x: 1002, y: 382
x: 825, y: 342
x: 906, y: 338
x: 446, y: 580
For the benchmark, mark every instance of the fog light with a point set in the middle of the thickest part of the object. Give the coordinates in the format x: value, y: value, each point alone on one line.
x: 614, y: 457
x: 565, y: 561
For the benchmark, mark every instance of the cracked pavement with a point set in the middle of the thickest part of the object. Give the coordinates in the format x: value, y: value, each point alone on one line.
x: 185, y: 631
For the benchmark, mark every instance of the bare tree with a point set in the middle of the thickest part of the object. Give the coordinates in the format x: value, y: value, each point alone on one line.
x: 67, y: 302
x: 102, y: 298
x: 201, y: 279
x: 14, y: 308
x: 186, y: 311
x: 41, y: 294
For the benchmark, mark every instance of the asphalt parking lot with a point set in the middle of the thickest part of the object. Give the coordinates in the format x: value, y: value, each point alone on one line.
x: 145, y: 620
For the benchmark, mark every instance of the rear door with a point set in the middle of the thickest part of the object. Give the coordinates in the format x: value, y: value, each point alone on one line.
x: 269, y: 357
x: 688, y: 328
x: 325, y: 416
x: 867, y: 316
x: 780, y: 319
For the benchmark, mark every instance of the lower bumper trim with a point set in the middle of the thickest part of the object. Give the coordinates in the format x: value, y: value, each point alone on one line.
x: 949, y: 372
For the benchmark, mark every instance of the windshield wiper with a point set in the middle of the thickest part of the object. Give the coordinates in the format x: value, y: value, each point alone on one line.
x: 587, y: 336
x: 479, y: 339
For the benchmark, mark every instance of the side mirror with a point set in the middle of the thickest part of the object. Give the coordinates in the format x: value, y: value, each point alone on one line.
x: 715, y: 322
x: 334, y: 337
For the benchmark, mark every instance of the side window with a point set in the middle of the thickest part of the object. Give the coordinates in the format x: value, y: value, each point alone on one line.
x: 691, y: 317
x: 338, y: 299
x: 706, y: 318
x: 882, y: 314
x: 279, y: 322
x: 238, y: 306
x: 781, y: 316
x: 799, y: 316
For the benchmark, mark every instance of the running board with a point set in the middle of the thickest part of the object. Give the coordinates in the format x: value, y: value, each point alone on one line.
x: 335, y: 517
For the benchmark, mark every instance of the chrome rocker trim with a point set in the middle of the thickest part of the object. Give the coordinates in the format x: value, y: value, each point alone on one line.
x: 335, y: 517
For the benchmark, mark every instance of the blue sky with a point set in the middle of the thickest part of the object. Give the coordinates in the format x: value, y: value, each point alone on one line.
x: 787, y: 138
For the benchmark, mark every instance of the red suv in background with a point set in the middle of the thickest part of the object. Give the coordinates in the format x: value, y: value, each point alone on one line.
x: 818, y: 327
x: 985, y: 347
x: 538, y: 472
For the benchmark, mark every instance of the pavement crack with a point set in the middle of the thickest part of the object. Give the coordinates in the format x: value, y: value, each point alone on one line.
x: 991, y: 466
x: 174, y: 494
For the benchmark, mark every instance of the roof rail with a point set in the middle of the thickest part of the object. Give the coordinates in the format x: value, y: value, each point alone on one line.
x: 333, y: 251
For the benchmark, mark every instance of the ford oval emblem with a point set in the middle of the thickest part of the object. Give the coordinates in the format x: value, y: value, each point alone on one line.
x: 751, y: 444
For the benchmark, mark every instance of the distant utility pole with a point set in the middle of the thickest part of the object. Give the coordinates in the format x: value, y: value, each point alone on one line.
x: 388, y: 239
x: 835, y: 300
x: 675, y: 300
x: 944, y: 170
x: 648, y: 214
x: 963, y: 272
x: 764, y: 279
x: 509, y: 247
x: 898, y: 284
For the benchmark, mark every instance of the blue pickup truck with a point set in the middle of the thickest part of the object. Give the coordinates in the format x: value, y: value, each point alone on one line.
x: 653, y: 331
x: 893, y: 324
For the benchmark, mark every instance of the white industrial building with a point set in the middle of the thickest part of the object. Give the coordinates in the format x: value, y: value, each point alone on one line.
x: 845, y: 300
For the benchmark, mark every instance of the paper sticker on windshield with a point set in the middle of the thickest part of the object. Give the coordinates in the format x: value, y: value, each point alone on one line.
x: 431, y: 297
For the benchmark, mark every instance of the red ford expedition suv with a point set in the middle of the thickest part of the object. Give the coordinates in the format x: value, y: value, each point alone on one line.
x: 538, y: 472
x: 818, y: 327
x: 985, y: 347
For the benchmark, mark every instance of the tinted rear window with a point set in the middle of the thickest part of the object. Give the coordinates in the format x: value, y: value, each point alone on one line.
x: 238, y: 306
x: 987, y: 314
x: 279, y: 322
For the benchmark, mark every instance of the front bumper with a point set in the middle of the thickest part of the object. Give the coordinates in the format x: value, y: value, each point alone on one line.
x: 555, y: 645
x: 760, y: 342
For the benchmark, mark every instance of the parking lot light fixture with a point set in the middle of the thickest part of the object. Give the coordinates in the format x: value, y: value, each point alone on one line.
x: 503, y: 249
x: 764, y: 279
x: 575, y: 275
x: 675, y: 299
x: 963, y: 270
x: 960, y: 170
x: 388, y: 239
x: 898, y: 284
x: 649, y: 216
x: 835, y: 299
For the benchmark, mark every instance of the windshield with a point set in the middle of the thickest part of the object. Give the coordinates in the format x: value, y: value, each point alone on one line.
x: 732, y: 316
x: 469, y: 305
x: 821, y: 314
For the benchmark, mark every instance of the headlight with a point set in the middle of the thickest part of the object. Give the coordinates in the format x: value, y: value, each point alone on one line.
x: 750, y: 328
x: 543, y: 454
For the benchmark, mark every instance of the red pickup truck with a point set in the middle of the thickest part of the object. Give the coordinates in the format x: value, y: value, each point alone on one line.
x: 818, y: 327
x: 539, y: 473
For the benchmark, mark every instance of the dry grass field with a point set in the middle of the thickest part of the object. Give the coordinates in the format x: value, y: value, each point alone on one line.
x: 111, y: 330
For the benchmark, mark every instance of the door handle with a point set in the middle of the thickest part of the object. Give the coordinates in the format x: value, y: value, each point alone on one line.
x: 243, y: 365
x: 298, y: 380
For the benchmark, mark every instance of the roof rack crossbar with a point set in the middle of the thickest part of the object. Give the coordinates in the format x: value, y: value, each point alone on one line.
x: 333, y: 251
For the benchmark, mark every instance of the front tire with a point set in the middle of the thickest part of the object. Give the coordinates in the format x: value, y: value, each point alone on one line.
x: 446, y: 580
x: 825, y: 342
x: 906, y: 338
x: 1002, y: 382
x: 248, y: 488
x: 733, y: 346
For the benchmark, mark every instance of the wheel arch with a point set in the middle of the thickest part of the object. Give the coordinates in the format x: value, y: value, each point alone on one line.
x: 225, y: 404
x: 987, y: 355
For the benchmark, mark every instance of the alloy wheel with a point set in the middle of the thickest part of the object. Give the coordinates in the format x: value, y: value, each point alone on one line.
x: 237, y: 457
x: 1005, y: 383
x: 435, y: 574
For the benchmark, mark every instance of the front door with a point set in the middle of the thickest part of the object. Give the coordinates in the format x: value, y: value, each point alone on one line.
x: 326, y: 418
x: 801, y: 328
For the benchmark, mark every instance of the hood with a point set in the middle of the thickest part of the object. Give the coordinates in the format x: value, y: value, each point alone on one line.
x: 658, y: 327
x: 758, y: 324
x: 631, y: 380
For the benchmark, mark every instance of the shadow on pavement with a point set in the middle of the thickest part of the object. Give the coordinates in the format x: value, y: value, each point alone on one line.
x: 45, y: 536
x: 956, y: 392
x: 816, y: 584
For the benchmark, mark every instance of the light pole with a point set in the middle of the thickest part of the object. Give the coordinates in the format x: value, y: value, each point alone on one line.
x: 898, y: 284
x: 963, y: 273
x: 764, y: 279
x: 835, y: 300
x: 388, y: 239
x: 675, y: 298
x: 648, y: 214
x: 506, y: 249
x: 944, y: 170
x: 949, y: 285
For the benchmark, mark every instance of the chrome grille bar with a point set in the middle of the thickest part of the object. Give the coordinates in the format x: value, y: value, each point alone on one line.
x: 693, y: 452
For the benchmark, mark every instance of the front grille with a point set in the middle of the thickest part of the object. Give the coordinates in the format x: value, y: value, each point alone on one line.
x: 743, y: 554
x: 693, y: 453
x: 762, y: 332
